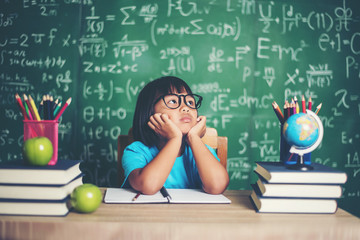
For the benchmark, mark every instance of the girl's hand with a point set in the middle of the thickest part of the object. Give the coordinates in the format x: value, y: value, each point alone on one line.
x: 199, y: 129
x: 163, y: 126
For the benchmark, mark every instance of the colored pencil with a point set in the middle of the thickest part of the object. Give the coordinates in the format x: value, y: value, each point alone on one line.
x: 293, y: 107
x: 48, y: 106
x: 67, y: 103
x: 278, y: 112
x: 136, y: 196
x: 318, y: 108
x: 288, y: 109
x: 21, y: 106
x: 45, y: 114
x: 310, y: 104
x: 28, y: 112
x: 285, y: 111
x: 51, y: 110
x: 303, y: 104
x: 33, y: 106
x: 57, y: 108
x: 296, y: 105
x: 55, y: 103
x: 31, y: 111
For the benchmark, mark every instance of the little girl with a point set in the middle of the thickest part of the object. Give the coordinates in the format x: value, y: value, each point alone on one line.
x: 168, y: 150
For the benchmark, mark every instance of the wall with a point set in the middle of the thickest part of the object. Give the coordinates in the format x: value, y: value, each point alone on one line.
x: 239, y: 55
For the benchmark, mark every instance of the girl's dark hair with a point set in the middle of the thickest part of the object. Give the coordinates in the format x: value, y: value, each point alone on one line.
x: 145, y: 106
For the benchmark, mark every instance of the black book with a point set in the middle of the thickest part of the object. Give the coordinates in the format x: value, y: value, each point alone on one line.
x: 276, y: 172
x: 19, y: 173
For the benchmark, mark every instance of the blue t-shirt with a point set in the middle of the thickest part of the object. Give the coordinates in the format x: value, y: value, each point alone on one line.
x: 184, y: 173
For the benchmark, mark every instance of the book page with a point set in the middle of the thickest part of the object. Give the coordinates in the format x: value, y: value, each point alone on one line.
x: 123, y: 195
x: 195, y: 196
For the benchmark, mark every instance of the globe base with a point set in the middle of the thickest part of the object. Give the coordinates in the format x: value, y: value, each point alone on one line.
x: 300, y: 166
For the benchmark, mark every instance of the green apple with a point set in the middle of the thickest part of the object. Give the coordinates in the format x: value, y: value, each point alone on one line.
x: 86, y: 198
x: 38, y: 151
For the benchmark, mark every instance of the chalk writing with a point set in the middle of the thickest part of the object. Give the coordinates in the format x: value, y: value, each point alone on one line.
x: 239, y: 55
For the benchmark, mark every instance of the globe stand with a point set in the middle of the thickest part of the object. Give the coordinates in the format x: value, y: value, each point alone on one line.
x: 300, y: 165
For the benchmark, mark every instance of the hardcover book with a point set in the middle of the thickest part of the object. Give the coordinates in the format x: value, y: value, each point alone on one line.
x: 39, y: 191
x: 292, y: 205
x: 19, y: 173
x: 35, y: 207
x: 298, y: 190
x: 276, y: 172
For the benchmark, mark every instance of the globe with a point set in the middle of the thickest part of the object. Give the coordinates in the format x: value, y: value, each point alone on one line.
x: 301, y: 130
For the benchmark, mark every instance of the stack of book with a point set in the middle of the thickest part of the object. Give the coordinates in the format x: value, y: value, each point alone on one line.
x: 280, y: 190
x: 34, y: 190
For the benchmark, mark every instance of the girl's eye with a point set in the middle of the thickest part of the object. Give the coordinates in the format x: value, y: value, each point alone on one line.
x: 172, y: 101
x: 190, y: 103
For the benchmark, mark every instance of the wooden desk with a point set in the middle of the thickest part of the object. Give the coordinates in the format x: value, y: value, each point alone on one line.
x: 183, y: 221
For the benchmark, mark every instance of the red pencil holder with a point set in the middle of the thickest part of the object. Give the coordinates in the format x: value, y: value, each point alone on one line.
x: 43, y: 128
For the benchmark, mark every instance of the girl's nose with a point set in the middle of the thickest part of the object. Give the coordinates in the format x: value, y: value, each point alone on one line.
x: 184, y: 108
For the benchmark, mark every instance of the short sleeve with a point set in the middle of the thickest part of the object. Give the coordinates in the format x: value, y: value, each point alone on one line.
x: 136, y: 155
x: 213, y: 152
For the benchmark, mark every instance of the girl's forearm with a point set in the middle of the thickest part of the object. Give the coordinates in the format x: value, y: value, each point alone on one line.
x: 152, y: 177
x: 213, y: 175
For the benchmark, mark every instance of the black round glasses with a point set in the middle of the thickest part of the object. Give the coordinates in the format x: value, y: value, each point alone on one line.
x: 173, y: 101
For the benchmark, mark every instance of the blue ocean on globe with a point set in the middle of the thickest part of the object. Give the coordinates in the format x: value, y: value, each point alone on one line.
x: 301, y: 130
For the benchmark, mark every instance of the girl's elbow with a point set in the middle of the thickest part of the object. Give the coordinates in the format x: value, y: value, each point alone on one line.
x: 150, y: 188
x: 217, y: 187
x: 145, y: 187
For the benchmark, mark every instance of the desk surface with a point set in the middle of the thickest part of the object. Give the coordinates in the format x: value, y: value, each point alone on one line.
x: 183, y: 221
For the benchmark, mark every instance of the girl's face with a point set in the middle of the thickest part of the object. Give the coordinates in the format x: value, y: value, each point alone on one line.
x: 184, y: 116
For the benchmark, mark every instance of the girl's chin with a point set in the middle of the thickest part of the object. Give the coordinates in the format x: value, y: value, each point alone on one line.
x: 185, y: 130
x: 185, y: 127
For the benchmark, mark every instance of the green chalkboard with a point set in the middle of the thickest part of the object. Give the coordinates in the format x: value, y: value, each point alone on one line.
x: 239, y: 55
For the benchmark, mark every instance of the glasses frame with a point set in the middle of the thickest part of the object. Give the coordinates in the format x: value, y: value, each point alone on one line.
x: 197, y: 104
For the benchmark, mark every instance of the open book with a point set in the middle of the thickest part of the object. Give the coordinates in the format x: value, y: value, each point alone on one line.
x: 125, y: 195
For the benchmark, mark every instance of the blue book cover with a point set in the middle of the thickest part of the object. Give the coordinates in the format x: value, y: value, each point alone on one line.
x: 276, y: 172
x: 17, y: 172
